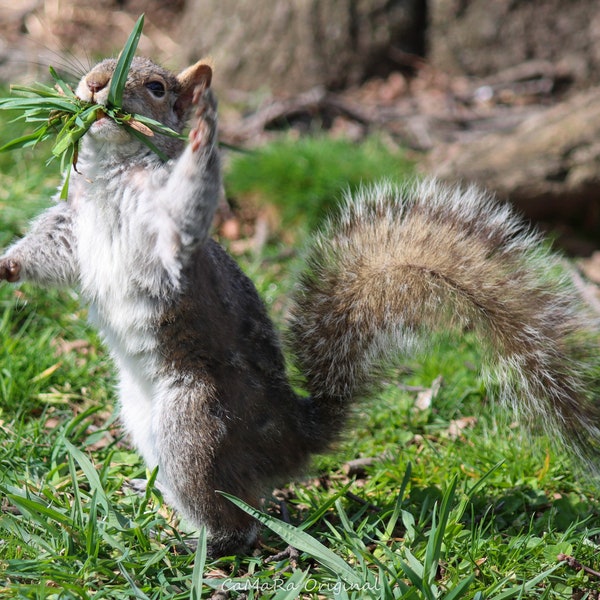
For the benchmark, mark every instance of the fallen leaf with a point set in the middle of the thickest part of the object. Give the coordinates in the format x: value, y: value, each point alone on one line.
x: 458, y: 425
x: 425, y: 397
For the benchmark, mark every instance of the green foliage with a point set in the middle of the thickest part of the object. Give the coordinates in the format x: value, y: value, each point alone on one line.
x: 304, y: 178
x: 456, y: 505
x: 119, y: 78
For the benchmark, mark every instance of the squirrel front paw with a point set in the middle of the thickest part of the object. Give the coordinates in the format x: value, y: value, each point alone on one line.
x: 10, y: 270
x: 203, y: 132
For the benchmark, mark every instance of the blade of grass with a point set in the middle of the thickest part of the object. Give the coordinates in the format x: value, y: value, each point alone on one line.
x: 323, y: 508
x: 77, y: 511
x: 293, y: 586
x: 39, y: 90
x: 519, y: 590
x: 434, y: 544
x: 24, y: 141
x: 119, y: 78
x: 199, y: 563
x: 137, y: 593
x: 391, y: 524
x: 42, y: 103
x: 414, y: 573
x: 144, y: 138
x: 460, y: 590
x: 114, y: 518
x: 64, y: 87
x: 156, y: 126
x: 68, y: 158
x: 46, y: 516
x: 302, y: 541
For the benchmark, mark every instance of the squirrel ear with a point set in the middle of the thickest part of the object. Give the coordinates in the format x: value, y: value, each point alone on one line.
x: 189, y: 79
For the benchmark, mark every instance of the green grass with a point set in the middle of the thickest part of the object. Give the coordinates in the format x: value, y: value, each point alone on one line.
x: 483, y: 514
x: 304, y: 178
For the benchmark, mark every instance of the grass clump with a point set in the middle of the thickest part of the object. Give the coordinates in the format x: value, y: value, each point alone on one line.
x: 304, y: 178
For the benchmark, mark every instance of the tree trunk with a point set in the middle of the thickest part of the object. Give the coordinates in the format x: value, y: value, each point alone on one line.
x: 479, y: 37
x: 290, y: 46
x: 549, y: 165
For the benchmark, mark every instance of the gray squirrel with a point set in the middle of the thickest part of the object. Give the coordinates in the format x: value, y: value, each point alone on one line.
x: 203, y: 389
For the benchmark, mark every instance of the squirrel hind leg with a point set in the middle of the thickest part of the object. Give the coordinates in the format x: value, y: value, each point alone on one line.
x: 235, y: 541
x: 221, y: 542
x: 197, y: 458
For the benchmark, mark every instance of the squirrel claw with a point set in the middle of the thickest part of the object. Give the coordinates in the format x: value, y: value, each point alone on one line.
x: 9, y: 270
x: 197, y: 137
x: 202, y: 134
x: 290, y: 553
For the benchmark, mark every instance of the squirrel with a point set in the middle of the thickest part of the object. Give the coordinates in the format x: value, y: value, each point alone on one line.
x: 202, y: 383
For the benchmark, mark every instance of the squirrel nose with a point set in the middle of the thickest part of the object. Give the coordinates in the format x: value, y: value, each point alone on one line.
x: 96, y: 84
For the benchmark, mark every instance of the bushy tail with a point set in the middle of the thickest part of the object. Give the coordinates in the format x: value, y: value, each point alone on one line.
x: 400, y: 263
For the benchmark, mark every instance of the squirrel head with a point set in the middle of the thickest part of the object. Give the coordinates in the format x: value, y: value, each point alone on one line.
x: 150, y: 90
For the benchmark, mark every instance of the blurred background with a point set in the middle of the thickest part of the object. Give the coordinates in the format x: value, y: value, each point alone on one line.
x: 502, y: 93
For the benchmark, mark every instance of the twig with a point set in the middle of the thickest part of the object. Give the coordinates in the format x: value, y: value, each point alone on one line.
x: 315, y: 100
x: 572, y: 562
x: 372, y: 507
x: 358, y: 466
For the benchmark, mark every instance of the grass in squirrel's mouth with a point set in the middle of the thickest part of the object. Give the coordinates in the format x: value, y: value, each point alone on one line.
x: 58, y: 112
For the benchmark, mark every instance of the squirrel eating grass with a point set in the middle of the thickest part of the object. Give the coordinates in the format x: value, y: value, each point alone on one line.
x: 203, y: 389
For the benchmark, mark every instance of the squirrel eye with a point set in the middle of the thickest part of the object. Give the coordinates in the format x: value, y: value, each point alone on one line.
x: 156, y: 88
